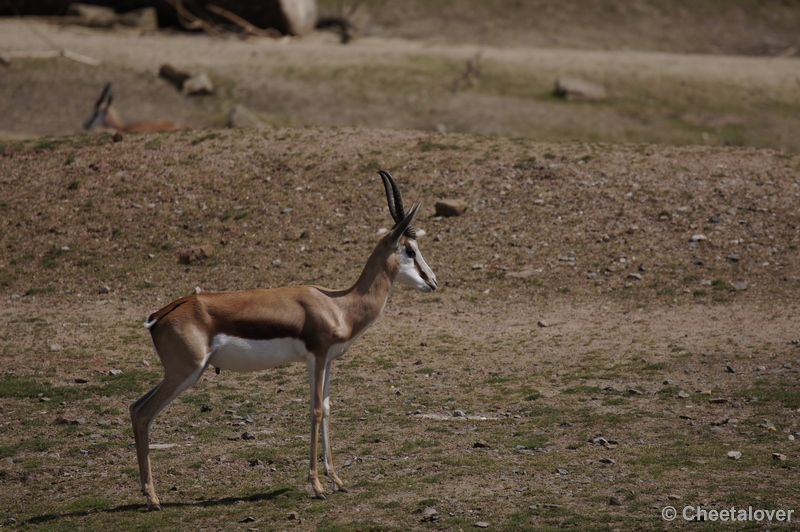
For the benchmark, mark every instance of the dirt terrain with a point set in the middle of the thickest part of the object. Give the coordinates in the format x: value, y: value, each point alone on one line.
x: 615, y: 322
x: 675, y: 352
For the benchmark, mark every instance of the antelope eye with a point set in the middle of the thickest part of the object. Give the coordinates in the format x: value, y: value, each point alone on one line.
x: 411, y: 253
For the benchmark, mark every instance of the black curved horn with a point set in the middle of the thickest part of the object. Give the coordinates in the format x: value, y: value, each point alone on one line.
x: 395, y: 201
x: 393, y: 196
x: 103, y: 94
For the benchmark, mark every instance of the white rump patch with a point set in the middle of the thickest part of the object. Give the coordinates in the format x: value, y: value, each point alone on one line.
x: 232, y: 353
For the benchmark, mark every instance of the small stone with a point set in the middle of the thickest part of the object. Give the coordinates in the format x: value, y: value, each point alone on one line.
x: 635, y: 276
x: 718, y: 401
x: 248, y: 519
x: 683, y: 395
x: 734, y: 455
x: 293, y: 516
x: 459, y: 413
x: 482, y: 524
x: 779, y: 457
x: 10, y: 521
x: 791, y: 437
x: 115, y: 372
x: 674, y: 497
x: 734, y: 257
x: 482, y: 444
x: 740, y: 286
x: 195, y: 254
x: 450, y: 207
x: 248, y: 436
x: 579, y: 89
x: 729, y: 369
x: 613, y: 501
x: 430, y: 514
x: 56, y: 347
x: 561, y: 471
x: 698, y: 238
x: 608, y: 461
x: 542, y: 323
x: 477, y: 266
x: 634, y: 391
x: 199, y: 84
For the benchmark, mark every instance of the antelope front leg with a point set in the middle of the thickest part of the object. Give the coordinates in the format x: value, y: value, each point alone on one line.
x: 316, y: 382
x: 327, y: 456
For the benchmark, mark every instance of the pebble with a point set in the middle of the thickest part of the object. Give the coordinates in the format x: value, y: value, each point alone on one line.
x: 779, y: 457
x: 698, y: 238
x: 562, y: 471
x: 459, y: 413
x: 477, y: 266
x: 248, y: 519
x: 608, y: 460
x: 729, y: 369
x: 56, y: 347
x: 738, y: 287
x: 293, y: 516
x: 542, y: 323
x: 482, y: 444
x: 682, y: 394
x: 482, y: 524
x: 636, y: 276
x: 115, y: 372
x: 734, y: 257
x: 674, y: 497
x: 734, y: 455
x: 10, y: 521
x: 248, y: 436
x: 430, y: 514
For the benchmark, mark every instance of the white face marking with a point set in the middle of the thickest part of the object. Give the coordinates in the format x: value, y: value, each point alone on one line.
x: 241, y: 354
x: 411, y: 262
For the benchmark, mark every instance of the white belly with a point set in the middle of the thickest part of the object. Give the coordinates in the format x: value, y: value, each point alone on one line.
x: 240, y: 354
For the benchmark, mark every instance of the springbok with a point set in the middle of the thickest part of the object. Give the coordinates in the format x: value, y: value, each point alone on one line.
x: 253, y: 330
x: 103, y: 115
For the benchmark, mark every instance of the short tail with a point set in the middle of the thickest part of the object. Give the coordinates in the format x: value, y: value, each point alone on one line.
x: 156, y: 316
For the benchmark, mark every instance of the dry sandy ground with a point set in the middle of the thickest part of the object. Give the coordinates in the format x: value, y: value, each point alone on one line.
x: 396, y: 83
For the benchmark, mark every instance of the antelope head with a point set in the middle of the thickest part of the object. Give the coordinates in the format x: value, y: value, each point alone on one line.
x: 414, y: 271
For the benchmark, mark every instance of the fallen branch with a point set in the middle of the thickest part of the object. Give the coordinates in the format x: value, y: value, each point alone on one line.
x: 242, y: 23
x: 48, y: 54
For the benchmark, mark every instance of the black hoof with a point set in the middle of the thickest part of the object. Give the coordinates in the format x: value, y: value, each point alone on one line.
x: 155, y: 508
x: 342, y: 489
x: 319, y: 496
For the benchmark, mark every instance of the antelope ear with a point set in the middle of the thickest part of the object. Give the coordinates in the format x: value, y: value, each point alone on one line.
x: 403, y: 225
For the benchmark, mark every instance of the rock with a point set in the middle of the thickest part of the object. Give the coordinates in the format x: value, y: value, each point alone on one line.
x: 608, y: 461
x: 779, y: 457
x: 482, y: 524
x: 242, y: 117
x: 293, y: 516
x: 195, y: 254
x: 718, y: 401
x: 451, y: 207
x: 674, y: 497
x: 613, y: 501
x: 480, y: 444
x: 173, y: 75
x: 430, y: 514
x: 524, y: 274
x: 733, y: 257
x: 248, y: 519
x: 115, y: 372
x: 9, y: 521
x: 683, y: 395
x: 145, y: 18
x: 477, y: 266
x: 729, y: 369
x: 459, y: 413
x: 561, y: 471
x: 734, y: 455
x: 636, y: 276
x: 198, y: 85
x: 738, y: 287
x: 579, y: 89
x: 542, y: 323
x: 91, y: 16
x: 698, y: 238
x: 56, y: 347
x: 248, y: 436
